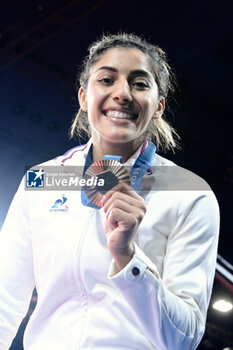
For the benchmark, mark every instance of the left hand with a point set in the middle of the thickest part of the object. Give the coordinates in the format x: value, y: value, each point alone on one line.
x: 124, y: 210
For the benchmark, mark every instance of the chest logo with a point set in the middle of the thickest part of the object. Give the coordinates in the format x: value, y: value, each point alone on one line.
x: 60, y: 205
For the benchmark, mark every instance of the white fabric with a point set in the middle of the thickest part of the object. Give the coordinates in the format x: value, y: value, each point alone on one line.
x: 84, y: 302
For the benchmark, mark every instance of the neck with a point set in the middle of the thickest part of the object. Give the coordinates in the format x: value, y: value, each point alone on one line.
x: 125, y: 150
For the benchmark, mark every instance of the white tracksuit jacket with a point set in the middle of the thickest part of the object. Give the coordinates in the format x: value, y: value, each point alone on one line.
x: 84, y: 303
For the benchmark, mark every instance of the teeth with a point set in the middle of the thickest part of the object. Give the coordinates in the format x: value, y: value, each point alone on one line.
x: 120, y: 115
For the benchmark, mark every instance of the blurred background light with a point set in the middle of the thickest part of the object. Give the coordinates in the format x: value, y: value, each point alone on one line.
x: 222, y: 305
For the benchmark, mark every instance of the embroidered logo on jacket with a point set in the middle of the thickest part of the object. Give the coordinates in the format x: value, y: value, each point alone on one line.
x: 60, y: 205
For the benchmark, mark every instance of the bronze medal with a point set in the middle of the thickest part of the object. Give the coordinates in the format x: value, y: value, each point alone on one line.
x: 101, y: 177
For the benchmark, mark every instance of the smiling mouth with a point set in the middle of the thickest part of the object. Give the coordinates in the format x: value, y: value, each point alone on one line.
x: 120, y: 115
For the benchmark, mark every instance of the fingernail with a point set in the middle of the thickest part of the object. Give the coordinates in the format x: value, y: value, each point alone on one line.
x: 102, y: 201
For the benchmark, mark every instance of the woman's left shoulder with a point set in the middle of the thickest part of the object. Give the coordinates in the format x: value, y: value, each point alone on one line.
x: 177, y: 178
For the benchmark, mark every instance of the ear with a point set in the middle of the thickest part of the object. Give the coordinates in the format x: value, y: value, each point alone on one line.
x: 159, y: 109
x: 82, y: 99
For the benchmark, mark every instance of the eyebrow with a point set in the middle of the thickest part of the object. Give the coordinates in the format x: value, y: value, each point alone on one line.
x: 112, y: 69
x: 136, y: 72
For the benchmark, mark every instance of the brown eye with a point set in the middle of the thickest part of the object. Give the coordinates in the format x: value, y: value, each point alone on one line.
x: 140, y: 85
x: 106, y: 81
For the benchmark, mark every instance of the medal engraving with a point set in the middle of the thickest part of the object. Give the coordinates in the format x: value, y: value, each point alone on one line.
x: 107, y: 173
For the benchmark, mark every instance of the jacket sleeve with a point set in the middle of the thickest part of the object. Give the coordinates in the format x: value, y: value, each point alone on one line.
x: 16, y: 272
x: 171, y: 308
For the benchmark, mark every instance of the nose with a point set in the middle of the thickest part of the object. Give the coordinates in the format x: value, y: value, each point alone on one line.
x: 122, y: 92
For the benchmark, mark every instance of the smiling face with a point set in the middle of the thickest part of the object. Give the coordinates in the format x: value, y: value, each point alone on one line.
x: 121, y: 98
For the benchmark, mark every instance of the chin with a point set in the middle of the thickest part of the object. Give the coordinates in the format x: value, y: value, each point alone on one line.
x: 120, y: 138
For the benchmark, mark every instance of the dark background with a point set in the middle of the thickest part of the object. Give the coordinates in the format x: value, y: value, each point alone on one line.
x: 41, y: 47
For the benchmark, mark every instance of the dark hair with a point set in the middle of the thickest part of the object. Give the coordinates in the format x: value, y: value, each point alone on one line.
x: 159, y: 131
